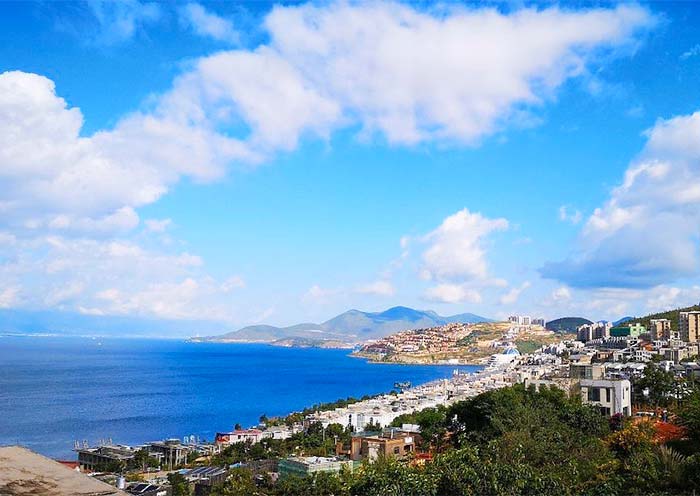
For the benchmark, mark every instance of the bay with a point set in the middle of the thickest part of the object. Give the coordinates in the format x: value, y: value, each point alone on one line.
x: 55, y: 390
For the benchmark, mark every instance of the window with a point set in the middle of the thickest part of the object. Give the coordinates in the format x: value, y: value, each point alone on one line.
x: 607, y: 395
x: 397, y: 451
x: 593, y: 394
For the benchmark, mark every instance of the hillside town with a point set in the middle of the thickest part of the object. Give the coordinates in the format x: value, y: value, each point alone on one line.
x: 603, y: 367
x: 459, y: 343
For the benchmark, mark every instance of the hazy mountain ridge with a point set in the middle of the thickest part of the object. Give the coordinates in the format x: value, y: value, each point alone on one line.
x: 351, y: 326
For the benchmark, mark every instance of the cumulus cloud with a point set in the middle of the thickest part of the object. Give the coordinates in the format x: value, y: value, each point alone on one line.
x: 207, y: 24
x: 454, y: 75
x: 325, y: 67
x: 69, y: 200
x: 455, y: 257
x: 55, y: 179
x: 646, y: 234
x: 455, y: 249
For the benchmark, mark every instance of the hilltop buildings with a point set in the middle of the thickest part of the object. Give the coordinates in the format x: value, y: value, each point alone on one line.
x: 689, y: 327
x: 660, y: 329
x: 301, y: 466
x: 526, y: 320
x: 170, y: 453
x: 390, y: 442
x: 597, y: 330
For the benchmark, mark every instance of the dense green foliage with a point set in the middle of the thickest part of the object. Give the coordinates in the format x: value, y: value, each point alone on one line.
x: 672, y: 315
x: 515, y: 441
x: 316, y: 441
x: 179, y: 485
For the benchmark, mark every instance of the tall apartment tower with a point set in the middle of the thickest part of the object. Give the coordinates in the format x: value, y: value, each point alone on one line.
x: 660, y: 329
x: 689, y: 327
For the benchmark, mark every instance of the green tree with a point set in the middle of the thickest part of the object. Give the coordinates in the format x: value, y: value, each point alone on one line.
x: 143, y: 460
x: 179, y: 484
x: 388, y: 477
x: 657, y: 383
x: 239, y: 483
x: 689, y: 417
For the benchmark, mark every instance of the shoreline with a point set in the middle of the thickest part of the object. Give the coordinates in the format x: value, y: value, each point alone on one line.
x: 330, y: 375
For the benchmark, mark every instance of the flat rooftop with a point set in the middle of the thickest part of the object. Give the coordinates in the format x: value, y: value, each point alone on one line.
x: 25, y: 473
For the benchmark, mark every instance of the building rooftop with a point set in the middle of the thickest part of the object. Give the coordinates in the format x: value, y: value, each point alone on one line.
x: 25, y: 473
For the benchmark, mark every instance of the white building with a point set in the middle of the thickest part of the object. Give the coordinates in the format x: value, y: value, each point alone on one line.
x: 589, y: 332
x: 524, y: 320
x: 611, y: 396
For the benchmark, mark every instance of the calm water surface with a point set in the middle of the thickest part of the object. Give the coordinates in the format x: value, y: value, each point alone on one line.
x: 54, y: 391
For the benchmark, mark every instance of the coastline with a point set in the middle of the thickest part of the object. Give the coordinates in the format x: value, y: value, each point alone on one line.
x: 127, y: 383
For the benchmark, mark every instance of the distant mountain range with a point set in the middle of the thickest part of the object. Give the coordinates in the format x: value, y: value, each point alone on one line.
x: 353, y: 326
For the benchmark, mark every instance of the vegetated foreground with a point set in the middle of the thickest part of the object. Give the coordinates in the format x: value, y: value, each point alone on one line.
x: 513, y: 441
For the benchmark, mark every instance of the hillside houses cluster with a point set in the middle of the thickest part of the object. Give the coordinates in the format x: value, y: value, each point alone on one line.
x: 440, y: 339
x: 637, y: 343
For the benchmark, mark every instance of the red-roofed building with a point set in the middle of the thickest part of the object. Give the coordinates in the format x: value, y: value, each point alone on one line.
x: 239, y: 436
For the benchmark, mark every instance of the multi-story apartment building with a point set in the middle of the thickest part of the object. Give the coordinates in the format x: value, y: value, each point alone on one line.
x: 689, y: 326
x: 589, y: 332
x: 660, y: 329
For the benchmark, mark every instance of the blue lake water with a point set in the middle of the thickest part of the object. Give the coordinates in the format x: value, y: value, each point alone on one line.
x: 54, y: 391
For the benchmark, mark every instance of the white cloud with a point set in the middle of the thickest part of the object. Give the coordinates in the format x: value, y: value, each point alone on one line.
x: 318, y: 295
x: 646, y: 234
x: 208, y: 24
x: 114, y: 277
x: 378, y: 288
x: 691, y: 52
x: 73, y: 198
x: 233, y: 282
x: 412, y: 75
x: 65, y: 292
x: 513, y: 294
x: 56, y: 180
x: 184, y: 299
x: 562, y: 293
x: 325, y: 67
x: 158, y: 225
x: 9, y: 297
x: 452, y: 293
x: 574, y: 216
x: 119, y: 21
x: 455, y: 249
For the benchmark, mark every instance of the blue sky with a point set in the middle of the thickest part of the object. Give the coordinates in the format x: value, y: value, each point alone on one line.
x: 256, y: 162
